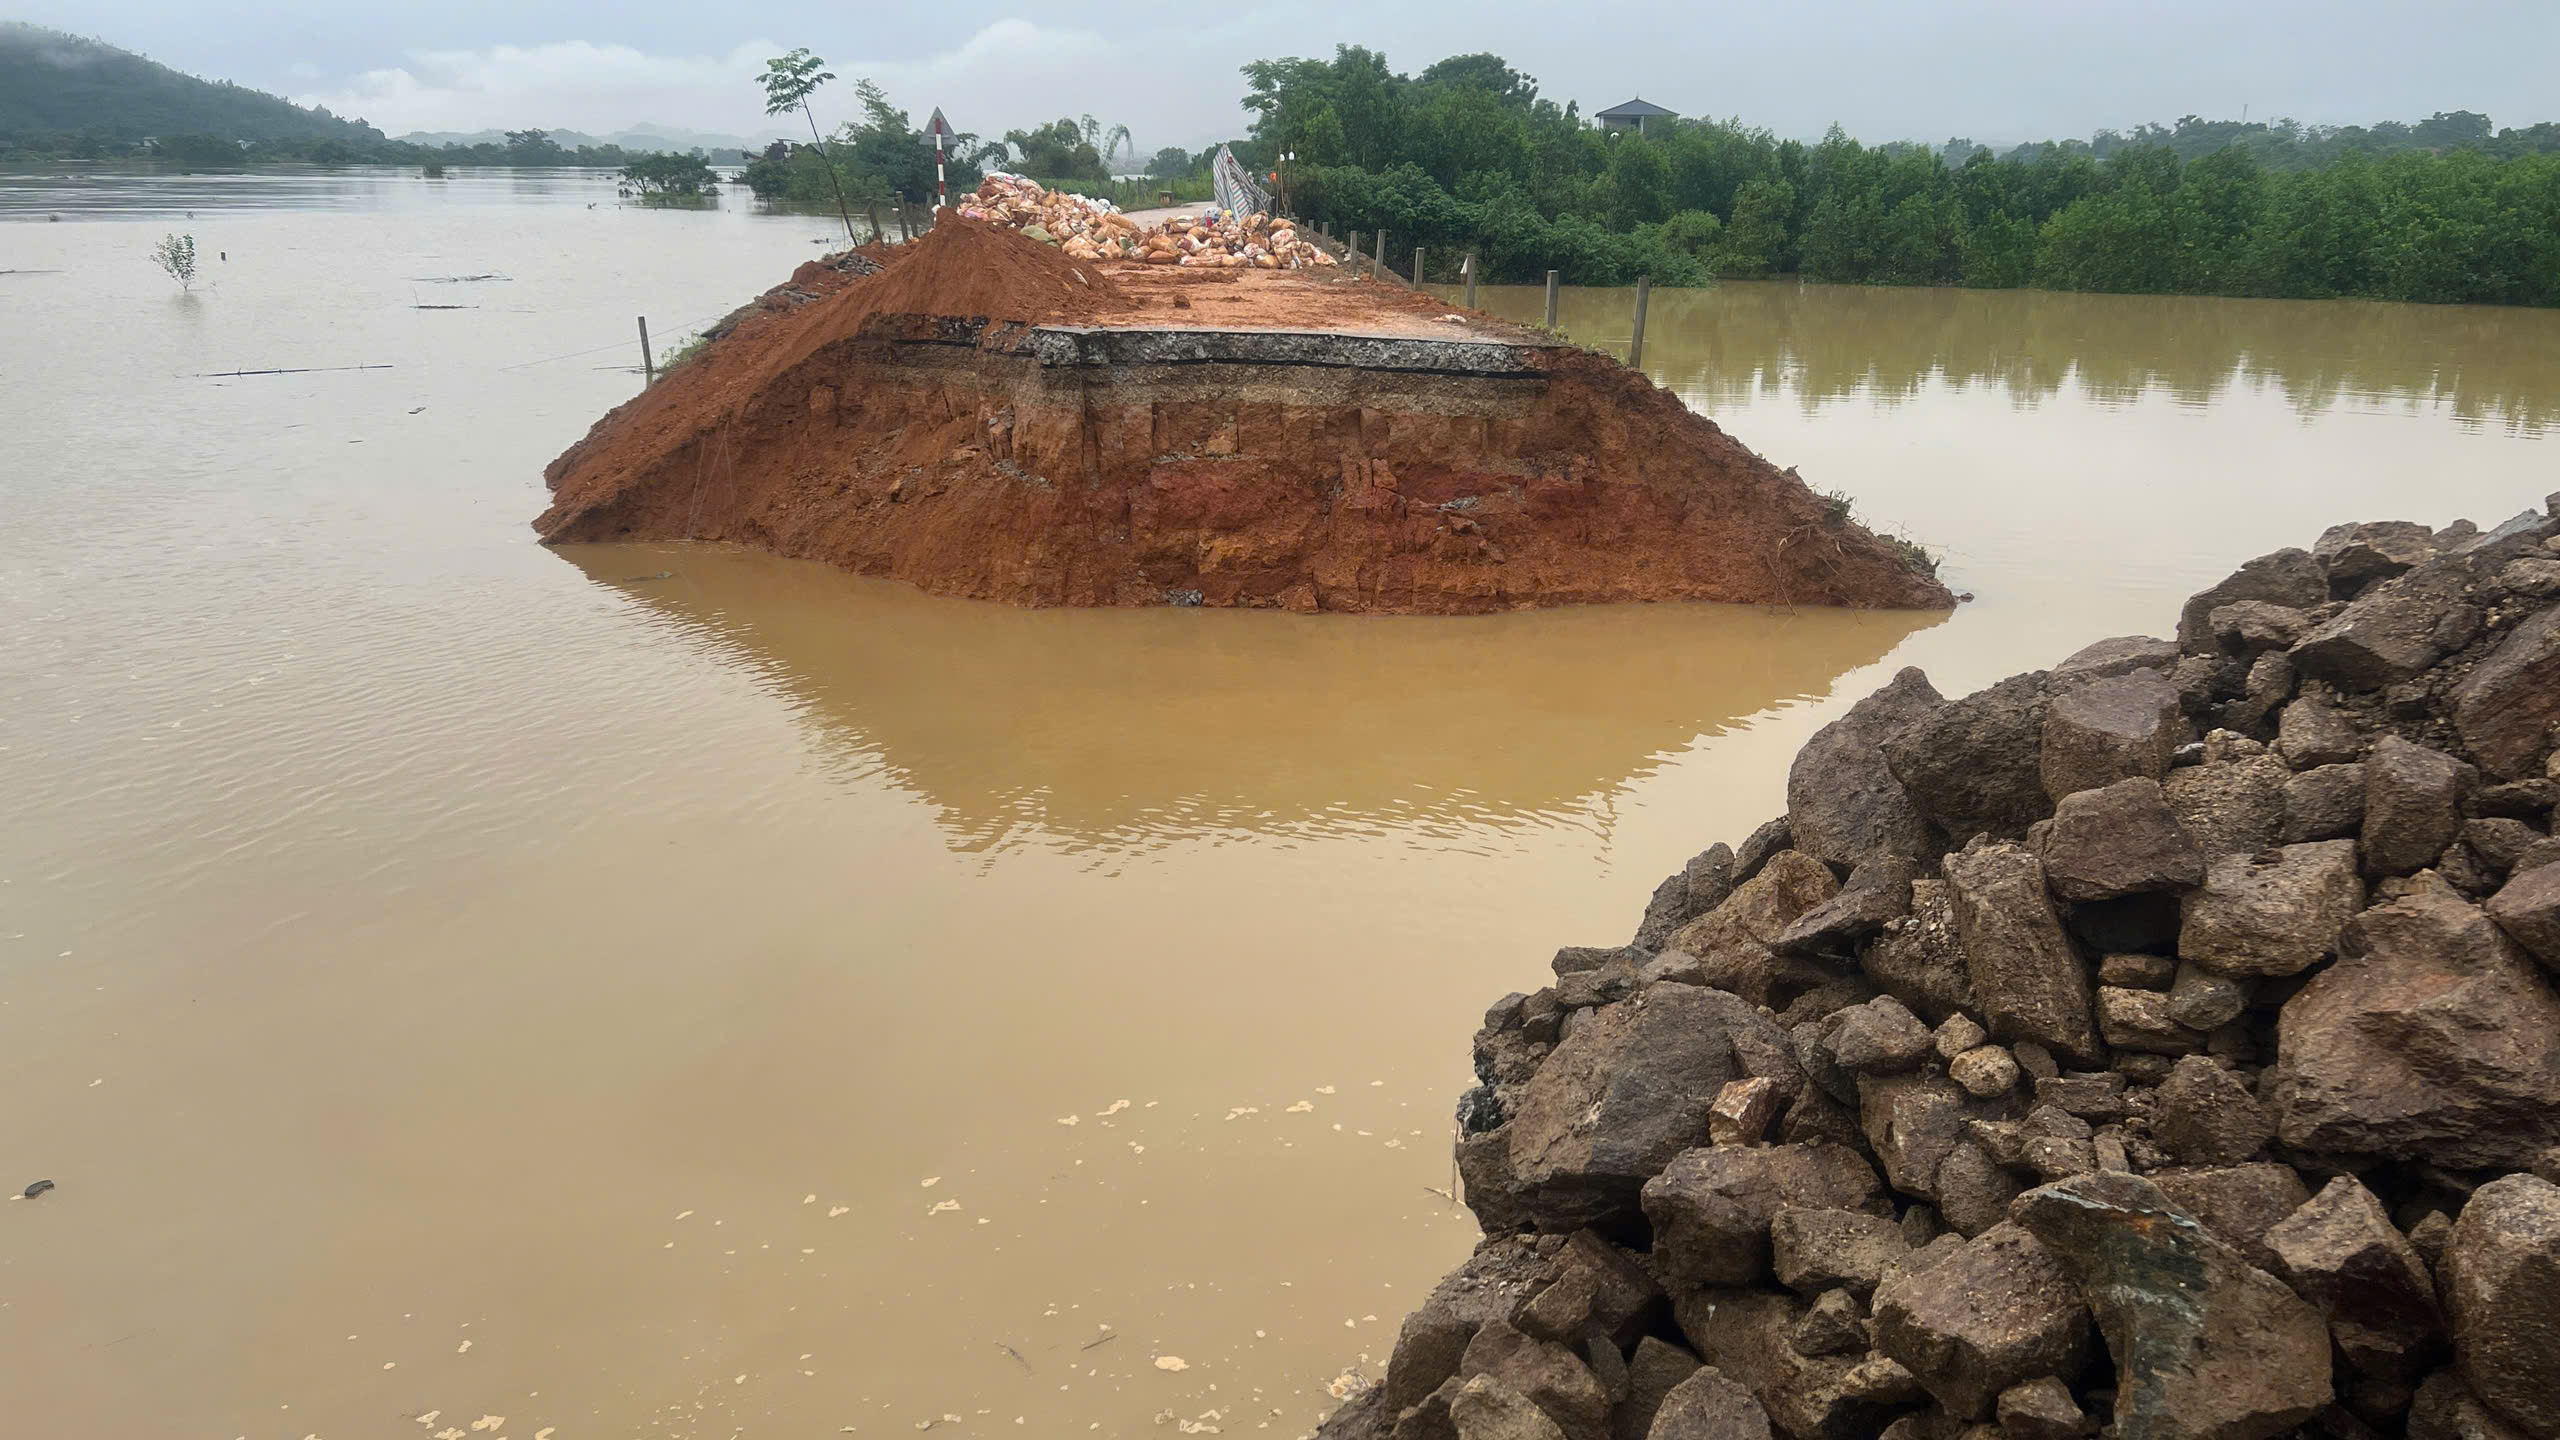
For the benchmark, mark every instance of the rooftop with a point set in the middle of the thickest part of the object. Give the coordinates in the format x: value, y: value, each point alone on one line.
x: 1636, y: 109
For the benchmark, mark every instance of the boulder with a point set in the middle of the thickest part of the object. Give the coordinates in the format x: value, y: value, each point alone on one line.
x: 2271, y: 912
x: 2207, y: 1346
x: 2237, y: 1204
x: 1711, y: 1208
x: 2528, y: 909
x: 2325, y: 802
x: 1919, y: 960
x: 2138, y: 971
x: 2227, y: 805
x: 2432, y: 1038
x: 2246, y: 627
x: 1548, y: 1375
x: 1985, y: 1072
x: 2030, y: 982
x: 1707, y: 1406
x: 2412, y: 805
x: 1843, y: 804
x: 1486, y: 1409
x: 1757, y: 847
x: 2505, y: 708
x: 1877, y: 893
x: 1744, y: 1110
x: 1879, y: 1037
x: 2204, y: 1115
x: 1655, y: 1368
x: 1748, y: 1335
x: 1832, y: 1325
x: 2270, y: 683
x: 2354, y: 556
x: 1732, y: 946
x: 2109, y: 730
x: 2141, y: 1020
x: 1597, y: 1291
x: 1489, y: 1286
x: 1911, y: 1121
x: 2202, y: 1000
x: 1999, y: 1311
x: 2118, y: 839
x: 2502, y: 1295
x: 1624, y: 1092
x: 2286, y: 577
x: 2315, y: 732
x: 1974, y: 767
x: 2342, y: 1253
x: 2500, y: 841
x: 2121, y: 655
x: 1973, y: 1192
x: 1685, y: 894
x: 2041, y: 1409
x: 1955, y: 1035
x: 2392, y: 632
x: 2446, y: 1409
x: 1817, y: 1250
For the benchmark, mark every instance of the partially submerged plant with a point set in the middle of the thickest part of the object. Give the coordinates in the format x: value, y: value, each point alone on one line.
x: 177, y: 255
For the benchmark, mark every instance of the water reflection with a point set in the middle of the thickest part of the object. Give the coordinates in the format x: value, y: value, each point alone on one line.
x: 2484, y: 365
x: 1128, y: 729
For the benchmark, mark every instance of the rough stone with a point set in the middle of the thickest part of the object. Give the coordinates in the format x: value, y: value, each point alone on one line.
x: 1999, y: 1311
x: 2206, y: 1345
x: 2502, y: 1294
x: 2097, y: 1095
x: 2229, y: 805
x: 2526, y: 799
x: 2203, y: 1000
x: 1911, y: 1121
x: 1832, y: 1325
x: 1711, y: 1208
x: 2041, y: 1409
x: 2432, y: 1038
x: 1985, y: 1072
x: 2237, y: 1203
x: 2035, y: 1060
x: 1707, y: 1406
x: 2120, y: 655
x: 2505, y: 708
x: 2271, y: 682
x: 2354, y: 556
x: 1919, y: 960
x: 1812, y: 1251
x: 2499, y: 841
x: 1743, y: 1111
x: 1489, y: 1286
x: 1956, y: 1035
x: 2314, y: 732
x: 2137, y: 971
x: 1486, y: 1409
x: 1973, y: 1192
x: 2110, y: 730
x: 1548, y: 1375
x: 2342, y: 1253
x: 2204, y: 1115
x: 2445, y: 1409
x: 1974, y: 767
x: 2412, y: 805
x: 2246, y: 627
x: 2271, y: 913
x: 1621, y: 1095
x: 1879, y: 1037
x: 2393, y: 631
x: 2286, y: 577
x: 1733, y: 946
x: 2141, y: 1020
x: 2325, y: 802
x: 1877, y: 893
x: 1746, y: 1334
x: 1655, y: 1368
x: 1843, y: 804
x: 1597, y: 1291
x: 2118, y: 839
x: 2537, y: 576
x: 2528, y: 909
x: 1692, y: 891
x: 2028, y: 980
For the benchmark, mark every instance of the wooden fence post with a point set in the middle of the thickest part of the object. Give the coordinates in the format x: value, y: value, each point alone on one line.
x: 1552, y: 277
x: 648, y: 362
x: 1635, y: 348
x: 1470, y: 268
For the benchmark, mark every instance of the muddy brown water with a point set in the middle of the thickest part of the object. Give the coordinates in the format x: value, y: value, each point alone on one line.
x: 667, y: 991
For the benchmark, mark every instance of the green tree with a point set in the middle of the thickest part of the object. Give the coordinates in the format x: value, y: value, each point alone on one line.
x: 177, y: 255
x: 789, y: 81
x: 670, y: 177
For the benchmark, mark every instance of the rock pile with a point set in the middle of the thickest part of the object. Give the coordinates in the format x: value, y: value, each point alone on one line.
x: 2163, y: 1045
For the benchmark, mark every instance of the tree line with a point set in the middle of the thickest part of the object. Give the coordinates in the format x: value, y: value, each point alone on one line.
x: 1467, y: 156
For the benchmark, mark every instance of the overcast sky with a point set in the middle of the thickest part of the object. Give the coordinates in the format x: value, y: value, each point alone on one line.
x: 2001, y: 70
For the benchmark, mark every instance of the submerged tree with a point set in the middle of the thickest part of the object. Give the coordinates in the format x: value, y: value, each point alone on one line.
x: 177, y: 255
x: 789, y: 81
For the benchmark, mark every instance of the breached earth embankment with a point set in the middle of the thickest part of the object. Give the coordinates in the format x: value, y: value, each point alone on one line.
x: 985, y: 417
x: 2161, y: 1045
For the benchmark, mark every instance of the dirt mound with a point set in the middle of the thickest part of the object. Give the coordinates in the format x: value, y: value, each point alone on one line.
x: 1195, y: 443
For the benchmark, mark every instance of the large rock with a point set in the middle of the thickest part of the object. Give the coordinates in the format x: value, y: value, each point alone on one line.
x: 1748, y: 1336
x: 1974, y: 766
x: 2119, y: 655
x: 2447, y: 1410
x: 1817, y: 1250
x: 1711, y: 1208
x: 1919, y: 960
x: 2237, y: 1204
x: 2313, y: 732
x: 1843, y: 805
x: 1629, y: 1088
x: 2001, y: 1310
x: 1707, y: 1406
x: 2412, y: 805
x: 1489, y: 1286
x: 1548, y: 1375
x: 1597, y: 1292
x: 2272, y: 912
x: 1881, y: 1037
x: 2110, y: 730
x: 2354, y: 556
x: 2325, y: 802
x: 1877, y: 893
x: 1685, y: 894
x: 1654, y: 1370
x: 1733, y: 947
x: 2342, y: 1253
x: 2119, y: 839
x: 2207, y: 1347
x: 2286, y: 577
x: 1486, y: 1409
x: 2505, y: 708
x: 1911, y: 1121
x: 2502, y: 1293
x: 2528, y: 909
x: 2392, y: 632
x: 2227, y: 805
x: 2204, y: 1115
x: 2030, y: 982
x: 2432, y: 1038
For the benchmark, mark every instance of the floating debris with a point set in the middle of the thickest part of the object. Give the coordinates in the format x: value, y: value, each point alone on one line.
x: 1172, y: 1362
x: 941, y: 1205
x: 1301, y: 1108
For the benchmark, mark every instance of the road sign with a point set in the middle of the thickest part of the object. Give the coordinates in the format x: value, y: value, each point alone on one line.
x: 937, y: 128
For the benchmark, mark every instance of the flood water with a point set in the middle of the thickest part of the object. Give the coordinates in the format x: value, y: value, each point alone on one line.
x: 657, y: 991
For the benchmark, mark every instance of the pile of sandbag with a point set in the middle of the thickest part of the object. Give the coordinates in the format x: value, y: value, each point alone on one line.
x: 1055, y: 217
x: 1221, y: 238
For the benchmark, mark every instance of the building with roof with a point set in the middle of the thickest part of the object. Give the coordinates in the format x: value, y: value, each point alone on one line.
x: 1633, y: 115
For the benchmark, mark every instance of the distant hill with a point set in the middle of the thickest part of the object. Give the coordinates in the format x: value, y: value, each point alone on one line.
x: 637, y: 137
x: 61, y: 84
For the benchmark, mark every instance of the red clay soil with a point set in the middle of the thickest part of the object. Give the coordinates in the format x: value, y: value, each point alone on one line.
x: 848, y: 430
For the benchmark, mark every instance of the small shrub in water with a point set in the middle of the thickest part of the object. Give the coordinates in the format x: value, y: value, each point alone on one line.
x: 177, y: 255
